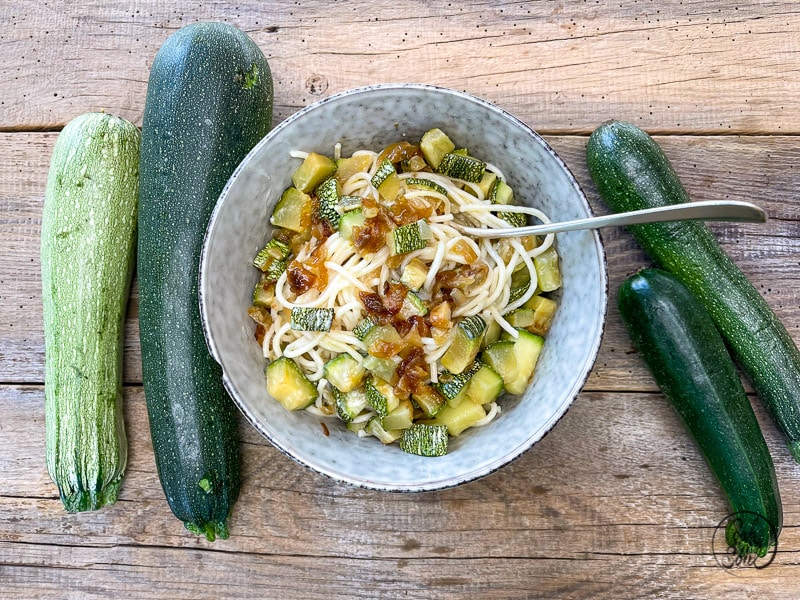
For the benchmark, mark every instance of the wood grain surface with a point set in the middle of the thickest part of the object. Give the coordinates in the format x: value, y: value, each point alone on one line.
x: 616, y: 501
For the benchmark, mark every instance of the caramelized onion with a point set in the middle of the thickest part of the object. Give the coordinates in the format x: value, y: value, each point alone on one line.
x: 263, y: 321
x: 408, y: 210
x: 375, y: 308
x: 412, y: 370
x: 302, y: 276
x: 411, y: 339
x: 461, y: 277
x: 419, y: 323
x: 371, y: 237
x: 465, y: 251
x: 300, y: 280
x: 394, y: 294
x: 440, y: 316
x: 399, y: 151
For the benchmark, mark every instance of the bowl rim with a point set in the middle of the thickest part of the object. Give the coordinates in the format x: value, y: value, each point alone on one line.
x: 422, y: 485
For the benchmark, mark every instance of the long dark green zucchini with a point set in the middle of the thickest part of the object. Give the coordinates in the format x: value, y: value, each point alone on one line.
x: 631, y: 172
x: 691, y: 365
x: 209, y: 101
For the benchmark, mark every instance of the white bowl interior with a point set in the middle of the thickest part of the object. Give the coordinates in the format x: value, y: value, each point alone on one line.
x: 371, y: 118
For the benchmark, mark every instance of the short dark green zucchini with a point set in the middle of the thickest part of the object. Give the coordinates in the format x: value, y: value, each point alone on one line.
x: 209, y: 101
x: 631, y: 172
x: 691, y: 365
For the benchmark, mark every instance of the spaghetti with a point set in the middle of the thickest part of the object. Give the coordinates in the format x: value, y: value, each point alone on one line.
x: 382, y: 252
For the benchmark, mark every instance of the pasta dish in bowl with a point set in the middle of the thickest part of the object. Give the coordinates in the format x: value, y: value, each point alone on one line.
x: 335, y: 283
x: 372, y: 307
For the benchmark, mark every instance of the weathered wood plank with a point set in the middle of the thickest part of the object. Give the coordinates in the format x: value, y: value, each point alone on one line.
x: 78, y: 573
x: 618, y: 475
x: 616, y: 499
x: 760, y: 169
x: 678, y: 65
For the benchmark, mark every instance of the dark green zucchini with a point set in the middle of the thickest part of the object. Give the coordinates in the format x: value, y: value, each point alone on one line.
x: 691, y: 365
x: 209, y: 100
x: 631, y: 172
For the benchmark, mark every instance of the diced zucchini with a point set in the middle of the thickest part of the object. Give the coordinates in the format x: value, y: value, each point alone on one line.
x: 460, y: 417
x: 451, y: 385
x: 421, y: 182
x: 315, y: 169
x: 544, y: 309
x: 288, y: 385
x: 527, y: 348
x: 347, y: 167
x: 466, y: 168
x: 276, y: 269
x: 374, y: 427
x: 520, y: 282
x: 529, y: 242
x: 311, y: 319
x: 429, y: 400
x: 487, y: 183
x: 414, y: 274
x: 344, y: 372
x: 384, y: 170
x: 521, y: 317
x: 264, y: 294
x: 425, y: 440
x: 486, y: 385
x: 381, y: 396
x: 380, y: 367
x: 514, y: 219
x: 272, y: 259
x: 547, y: 270
x: 491, y: 335
x: 363, y: 327
x: 349, y: 221
x: 413, y: 306
x: 408, y: 238
x: 351, y: 404
x: 435, y: 145
x: 289, y: 210
x: 501, y: 357
x: 503, y: 194
x: 458, y: 398
x: 386, y: 181
x: 348, y: 203
x: 357, y: 427
x: 328, y: 197
x: 379, y: 335
x: 274, y: 250
x: 400, y: 418
x: 465, y: 345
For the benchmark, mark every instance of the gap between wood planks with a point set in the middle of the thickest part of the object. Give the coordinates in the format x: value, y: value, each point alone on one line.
x: 577, y: 133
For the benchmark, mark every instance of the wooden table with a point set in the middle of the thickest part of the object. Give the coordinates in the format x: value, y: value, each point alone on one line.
x: 615, y: 501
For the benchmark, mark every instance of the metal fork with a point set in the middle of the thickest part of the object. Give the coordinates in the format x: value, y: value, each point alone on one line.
x: 708, y: 210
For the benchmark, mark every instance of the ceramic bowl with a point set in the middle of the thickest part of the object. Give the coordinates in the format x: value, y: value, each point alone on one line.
x: 371, y: 118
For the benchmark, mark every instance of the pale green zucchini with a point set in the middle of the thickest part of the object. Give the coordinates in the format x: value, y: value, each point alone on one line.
x: 87, y: 252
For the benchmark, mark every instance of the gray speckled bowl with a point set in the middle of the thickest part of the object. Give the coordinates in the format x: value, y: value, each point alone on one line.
x: 372, y: 117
